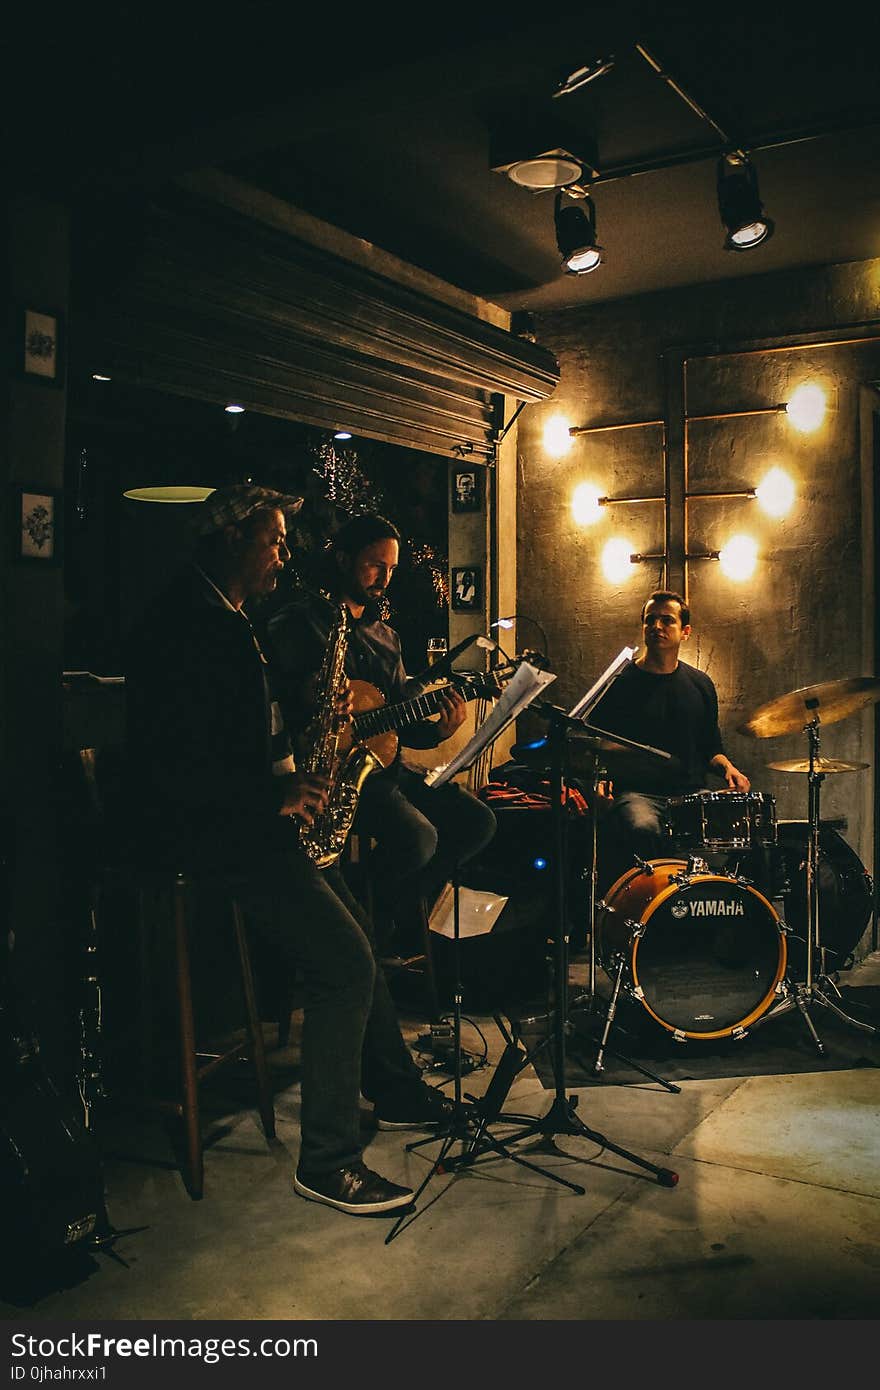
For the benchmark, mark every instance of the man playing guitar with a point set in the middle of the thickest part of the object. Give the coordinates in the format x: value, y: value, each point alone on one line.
x: 420, y: 833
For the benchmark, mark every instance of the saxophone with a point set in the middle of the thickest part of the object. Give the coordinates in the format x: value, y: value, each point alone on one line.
x: 346, y: 771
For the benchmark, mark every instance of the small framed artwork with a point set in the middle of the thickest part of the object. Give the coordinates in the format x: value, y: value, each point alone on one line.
x: 37, y: 513
x: 467, y: 489
x: 467, y: 590
x: 37, y: 351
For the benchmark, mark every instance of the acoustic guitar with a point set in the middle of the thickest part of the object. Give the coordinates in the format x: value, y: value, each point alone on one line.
x: 376, y: 724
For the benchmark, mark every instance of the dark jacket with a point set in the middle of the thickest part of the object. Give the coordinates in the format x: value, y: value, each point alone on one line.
x: 201, y: 745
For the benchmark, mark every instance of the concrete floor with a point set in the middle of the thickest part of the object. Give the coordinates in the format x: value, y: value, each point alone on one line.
x: 776, y: 1216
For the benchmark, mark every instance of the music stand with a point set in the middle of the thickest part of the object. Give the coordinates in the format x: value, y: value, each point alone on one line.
x: 560, y: 1118
x: 524, y: 687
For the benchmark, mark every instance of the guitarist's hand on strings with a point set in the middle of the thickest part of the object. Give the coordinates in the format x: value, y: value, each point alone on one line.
x: 305, y: 796
x: 453, y: 710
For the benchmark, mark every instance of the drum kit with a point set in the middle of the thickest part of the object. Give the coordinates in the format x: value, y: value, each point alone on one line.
x: 702, y: 949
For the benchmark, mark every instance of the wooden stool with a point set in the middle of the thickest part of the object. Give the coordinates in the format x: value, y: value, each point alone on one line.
x: 178, y: 890
x: 195, y: 1065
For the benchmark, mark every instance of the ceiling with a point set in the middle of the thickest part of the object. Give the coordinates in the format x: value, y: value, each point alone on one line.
x: 391, y: 137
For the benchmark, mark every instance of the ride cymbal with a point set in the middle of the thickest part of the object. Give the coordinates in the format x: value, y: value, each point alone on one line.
x: 830, y: 701
x: 822, y: 765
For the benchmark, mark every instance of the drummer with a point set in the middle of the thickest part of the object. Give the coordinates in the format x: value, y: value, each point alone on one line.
x: 660, y: 701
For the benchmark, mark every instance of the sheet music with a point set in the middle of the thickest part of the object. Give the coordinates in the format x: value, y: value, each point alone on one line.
x: 586, y: 702
x: 523, y: 687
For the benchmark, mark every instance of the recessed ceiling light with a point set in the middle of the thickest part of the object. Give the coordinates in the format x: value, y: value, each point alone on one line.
x: 234, y: 409
x: 342, y: 434
x: 552, y: 169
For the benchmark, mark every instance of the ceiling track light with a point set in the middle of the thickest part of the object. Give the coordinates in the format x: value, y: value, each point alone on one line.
x: 739, y: 204
x: 576, y: 236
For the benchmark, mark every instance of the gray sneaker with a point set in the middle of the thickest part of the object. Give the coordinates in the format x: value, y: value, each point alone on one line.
x: 356, y: 1190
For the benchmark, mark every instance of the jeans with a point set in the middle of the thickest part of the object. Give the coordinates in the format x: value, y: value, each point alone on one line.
x: 351, y: 1041
x: 635, y: 824
x: 420, y: 834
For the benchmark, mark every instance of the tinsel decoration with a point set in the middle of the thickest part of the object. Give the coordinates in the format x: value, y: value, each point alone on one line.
x: 425, y: 556
x: 347, y: 485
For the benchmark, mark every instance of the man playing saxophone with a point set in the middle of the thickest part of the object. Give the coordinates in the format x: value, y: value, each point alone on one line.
x: 218, y: 792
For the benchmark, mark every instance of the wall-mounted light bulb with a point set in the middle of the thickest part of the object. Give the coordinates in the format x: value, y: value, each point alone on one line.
x: 585, y: 505
x: 739, y: 557
x: 557, y: 439
x: 776, y: 492
x: 616, y: 564
x: 806, y: 408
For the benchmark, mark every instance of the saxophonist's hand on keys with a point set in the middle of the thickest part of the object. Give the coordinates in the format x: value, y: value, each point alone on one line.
x: 305, y: 796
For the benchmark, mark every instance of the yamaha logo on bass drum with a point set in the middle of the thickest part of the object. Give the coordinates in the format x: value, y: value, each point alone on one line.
x: 708, y: 907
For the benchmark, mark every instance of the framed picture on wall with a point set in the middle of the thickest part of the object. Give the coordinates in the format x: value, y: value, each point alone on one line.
x: 467, y: 590
x: 37, y: 349
x: 467, y: 489
x: 37, y: 513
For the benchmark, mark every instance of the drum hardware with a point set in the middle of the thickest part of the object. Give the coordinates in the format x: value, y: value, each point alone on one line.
x: 832, y: 701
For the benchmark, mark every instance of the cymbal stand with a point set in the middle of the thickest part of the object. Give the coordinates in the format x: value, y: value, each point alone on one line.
x: 803, y: 993
x: 560, y: 1118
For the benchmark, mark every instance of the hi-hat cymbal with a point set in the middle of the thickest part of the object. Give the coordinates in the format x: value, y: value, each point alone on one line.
x: 822, y: 765
x: 830, y: 701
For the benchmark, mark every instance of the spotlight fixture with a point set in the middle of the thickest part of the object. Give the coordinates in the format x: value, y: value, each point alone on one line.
x: 342, y: 434
x: 581, y: 76
x: 99, y: 376
x: 233, y: 409
x: 576, y: 236
x: 739, y: 204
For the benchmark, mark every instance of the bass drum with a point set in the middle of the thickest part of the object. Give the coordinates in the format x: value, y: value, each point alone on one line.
x: 703, y: 952
x: 846, y: 893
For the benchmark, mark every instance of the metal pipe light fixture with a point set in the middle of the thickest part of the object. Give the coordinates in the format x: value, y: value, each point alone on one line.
x: 576, y: 235
x: 739, y: 204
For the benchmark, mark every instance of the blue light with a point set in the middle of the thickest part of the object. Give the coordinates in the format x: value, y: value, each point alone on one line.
x: 539, y: 863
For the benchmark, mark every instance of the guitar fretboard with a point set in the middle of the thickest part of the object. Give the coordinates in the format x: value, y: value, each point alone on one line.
x: 388, y: 717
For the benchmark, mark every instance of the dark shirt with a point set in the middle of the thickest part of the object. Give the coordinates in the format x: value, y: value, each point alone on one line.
x: 202, y: 734
x: 298, y: 634
x: 677, y: 712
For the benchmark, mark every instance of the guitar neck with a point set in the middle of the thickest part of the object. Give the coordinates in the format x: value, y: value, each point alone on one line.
x: 400, y: 716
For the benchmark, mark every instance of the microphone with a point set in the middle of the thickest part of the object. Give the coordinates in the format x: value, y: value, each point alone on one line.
x: 443, y: 667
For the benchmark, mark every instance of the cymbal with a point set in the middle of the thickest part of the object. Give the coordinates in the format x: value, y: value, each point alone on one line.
x: 622, y: 757
x: 830, y: 701
x: 821, y: 765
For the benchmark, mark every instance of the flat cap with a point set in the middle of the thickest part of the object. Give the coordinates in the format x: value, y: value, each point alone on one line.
x: 227, y: 506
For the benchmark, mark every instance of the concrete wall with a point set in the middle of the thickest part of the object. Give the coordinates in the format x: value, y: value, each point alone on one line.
x: 801, y: 619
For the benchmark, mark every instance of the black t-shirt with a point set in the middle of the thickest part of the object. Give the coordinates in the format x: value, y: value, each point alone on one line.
x: 677, y: 712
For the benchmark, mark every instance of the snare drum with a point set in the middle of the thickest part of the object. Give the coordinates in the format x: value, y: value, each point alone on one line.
x: 722, y: 820
x: 702, y: 952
